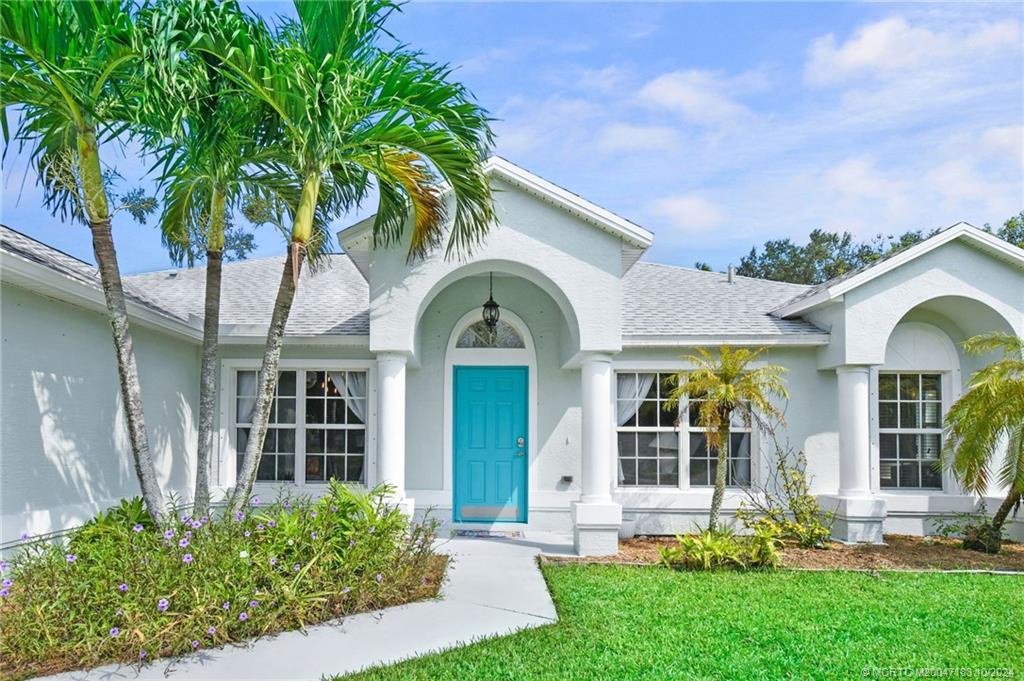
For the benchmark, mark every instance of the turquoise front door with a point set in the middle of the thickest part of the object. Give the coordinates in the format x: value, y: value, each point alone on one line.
x: 490, y: 457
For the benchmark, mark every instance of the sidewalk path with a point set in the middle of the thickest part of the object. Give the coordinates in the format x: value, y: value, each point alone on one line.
x: 494, y: 588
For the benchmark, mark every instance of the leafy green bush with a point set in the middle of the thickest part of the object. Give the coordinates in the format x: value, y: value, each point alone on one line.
x: 122, y: 589
x: 976, y: 531
x: 785, y: 504
x: 716, y: 548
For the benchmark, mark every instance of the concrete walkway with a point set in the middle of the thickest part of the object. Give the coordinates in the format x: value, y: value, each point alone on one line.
x: 494, y: 588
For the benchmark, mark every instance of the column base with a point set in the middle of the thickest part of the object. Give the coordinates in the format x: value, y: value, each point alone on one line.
x: 596, y: 528
x: 858, y: 518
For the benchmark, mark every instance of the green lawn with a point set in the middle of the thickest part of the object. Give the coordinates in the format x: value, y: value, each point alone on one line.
x: 620, y: 622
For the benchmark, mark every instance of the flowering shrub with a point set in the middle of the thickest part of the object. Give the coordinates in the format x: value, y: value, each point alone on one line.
x: 122, y: 589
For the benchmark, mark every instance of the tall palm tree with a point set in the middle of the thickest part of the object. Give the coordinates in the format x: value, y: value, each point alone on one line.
x: 351, y: 112
x: 209, y: 139
x: 66, y: 64
x: 989, y: 416
x: 722, y: 386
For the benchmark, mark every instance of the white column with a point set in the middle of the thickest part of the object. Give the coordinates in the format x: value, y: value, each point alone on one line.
x: 854, y: 431
x: 596, y: 518
x: 596, y: 440
x: 391, y: 421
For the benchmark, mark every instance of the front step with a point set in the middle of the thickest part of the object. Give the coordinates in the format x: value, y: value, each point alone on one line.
x: 488, y: 532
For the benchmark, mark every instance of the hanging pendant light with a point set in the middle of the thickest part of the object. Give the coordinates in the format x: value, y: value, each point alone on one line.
x: 491, y: 310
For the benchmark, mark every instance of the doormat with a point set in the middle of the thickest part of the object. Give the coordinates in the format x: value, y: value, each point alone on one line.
x: 489, y: 534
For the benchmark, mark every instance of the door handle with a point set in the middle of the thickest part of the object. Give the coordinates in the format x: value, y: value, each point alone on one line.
x: 520, y: 441
x: 520, y: 453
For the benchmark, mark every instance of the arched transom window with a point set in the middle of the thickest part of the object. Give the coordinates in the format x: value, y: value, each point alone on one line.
x: 479, y: 335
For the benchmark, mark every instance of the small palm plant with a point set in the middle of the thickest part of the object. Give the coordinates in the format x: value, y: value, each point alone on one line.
x: 989, y: 416
x: 723, y: 386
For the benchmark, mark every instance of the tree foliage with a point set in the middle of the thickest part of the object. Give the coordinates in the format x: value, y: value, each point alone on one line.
x: 827, y: 255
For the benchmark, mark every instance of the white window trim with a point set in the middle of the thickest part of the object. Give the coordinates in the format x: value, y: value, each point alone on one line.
x: 675, y: 366
x: 226, y: 445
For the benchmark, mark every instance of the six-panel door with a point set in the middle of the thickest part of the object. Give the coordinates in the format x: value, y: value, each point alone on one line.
x: 490, y: 456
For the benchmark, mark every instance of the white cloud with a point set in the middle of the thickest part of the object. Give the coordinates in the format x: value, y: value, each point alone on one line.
x: 688, y: 213
x: 894, y: 46
x: 1004, y: 140
x: 624, y: 137
x: 702, y: 97
x: 605, y: 79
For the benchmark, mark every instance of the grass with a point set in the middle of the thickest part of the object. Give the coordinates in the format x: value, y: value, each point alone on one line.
x: 624, y: 622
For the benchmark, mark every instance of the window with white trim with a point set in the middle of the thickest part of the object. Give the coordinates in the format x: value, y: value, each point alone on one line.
x: 328, y: 441
x: 652, y: 439
x: 909, y: 430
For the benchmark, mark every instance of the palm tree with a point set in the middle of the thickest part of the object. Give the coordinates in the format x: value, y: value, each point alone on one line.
x: 208, y: 138
x: 722, y: 386
x: 350, y: 111
x: 989, y: 416
x: 66, y: 65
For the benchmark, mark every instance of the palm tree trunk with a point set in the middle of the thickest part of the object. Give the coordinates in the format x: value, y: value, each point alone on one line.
x: 1011, y: 500
x: 94, y: 194
x: 208, y: 380
x: 723, y: 459
x: 268, y: 375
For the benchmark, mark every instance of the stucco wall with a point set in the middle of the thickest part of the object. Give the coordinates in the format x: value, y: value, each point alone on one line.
x: 64, y: 452
x: 558, y: 412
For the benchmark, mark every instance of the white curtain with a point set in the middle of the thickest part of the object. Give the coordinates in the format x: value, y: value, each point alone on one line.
x: 246, y: 395
x: 630, y: 392
x: 354, y: 387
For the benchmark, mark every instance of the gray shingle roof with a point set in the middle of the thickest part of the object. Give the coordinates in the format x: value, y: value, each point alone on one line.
x: 332, y: 301
x: 662, y: 300
x: 26, y: 247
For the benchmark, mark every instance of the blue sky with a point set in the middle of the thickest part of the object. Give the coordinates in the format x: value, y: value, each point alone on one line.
x: 716, y: 126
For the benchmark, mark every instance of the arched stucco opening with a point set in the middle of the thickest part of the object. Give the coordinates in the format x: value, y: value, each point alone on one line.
x: 506, y: 271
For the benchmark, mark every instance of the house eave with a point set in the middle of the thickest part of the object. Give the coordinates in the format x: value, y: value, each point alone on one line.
x: 712, y: 340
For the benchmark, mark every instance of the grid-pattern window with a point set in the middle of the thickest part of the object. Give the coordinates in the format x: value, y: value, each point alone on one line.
x: 327, y: 441
x: 704, y: 459
x: 335, y: 425
x: 652, y: 440
x: 277, y: 463
x: 909, y: 430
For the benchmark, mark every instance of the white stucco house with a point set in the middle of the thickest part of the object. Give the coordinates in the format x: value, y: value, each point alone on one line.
x: 553, y: 422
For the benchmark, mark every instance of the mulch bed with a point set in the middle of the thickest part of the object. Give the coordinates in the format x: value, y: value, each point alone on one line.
x: 900, y: 552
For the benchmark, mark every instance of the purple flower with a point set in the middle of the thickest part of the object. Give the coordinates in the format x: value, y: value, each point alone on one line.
x: 137, y: 528
x: 243, y: 616
x: 169, y: 534
x: 196, y: 524
x: 226, y: 605
x: 312, y: 535
x: 260, y: 527
x: 114, y: 632
x: 142, y: 654
x: 334, y: 509
x: 255, y: 501
x: 163, y: 604
x: 287, y: 504
x: 185, y: 518
x: 271, y: 524
x: 247, y: 533
x: 203, y: 520
x: 195, y: 644
x: 24, y: 536
x: 71, y: 558
x: 7, y: 582
x: 188, y: 533
x: 183, y: 542
x: 273, y: 561
x: 351, y: 543
x: 3, y: 565
x: 187, y: 558
x: 345, y: 590
x: 380, y: 578
x: 239, y: 516
x: 211, y: 631
x: 296, y: 567
x: 253, y: 604
x: 122, y: 588
x: 5, y: 592
x: 312, y: 514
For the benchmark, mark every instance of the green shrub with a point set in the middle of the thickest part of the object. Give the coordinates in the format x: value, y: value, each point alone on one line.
x: 785, y: 504
x: 975, y: 530
x: 717, y: 548
x: 122, y: 589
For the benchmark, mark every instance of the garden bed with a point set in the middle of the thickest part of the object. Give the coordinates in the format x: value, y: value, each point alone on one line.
x: 125, y: 589
x: 898, y: 553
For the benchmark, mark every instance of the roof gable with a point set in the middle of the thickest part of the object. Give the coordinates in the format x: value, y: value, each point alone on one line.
x: 834, y: 289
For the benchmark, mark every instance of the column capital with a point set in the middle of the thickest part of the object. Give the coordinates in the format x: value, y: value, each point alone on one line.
x: 853, y: 368
x: 393, y: 356
x: 588, y: 357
